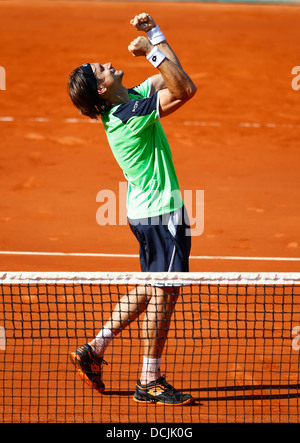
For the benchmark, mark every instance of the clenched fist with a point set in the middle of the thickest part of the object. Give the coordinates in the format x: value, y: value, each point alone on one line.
x: 141, y: 46
x: 143, y: 22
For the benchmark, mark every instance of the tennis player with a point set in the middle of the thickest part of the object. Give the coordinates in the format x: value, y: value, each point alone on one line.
x: 155, y: 209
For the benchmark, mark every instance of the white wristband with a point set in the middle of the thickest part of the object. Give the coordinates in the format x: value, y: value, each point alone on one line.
x: 155, y: 35
x: 156, y: 57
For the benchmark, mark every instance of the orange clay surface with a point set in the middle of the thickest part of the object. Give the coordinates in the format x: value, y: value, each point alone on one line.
x: 238, y: 140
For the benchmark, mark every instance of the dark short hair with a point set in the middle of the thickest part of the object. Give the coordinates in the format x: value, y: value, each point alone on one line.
x: 86, y: 100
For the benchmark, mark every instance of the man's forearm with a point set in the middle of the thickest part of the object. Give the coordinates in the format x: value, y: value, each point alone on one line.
x: 161, y: 55
x: 168, y: 51
x: 176, y: 79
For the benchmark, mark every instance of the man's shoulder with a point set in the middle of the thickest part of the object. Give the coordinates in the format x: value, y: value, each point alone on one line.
x: 136, y: 107
x: 133, y: 93
x: 141, y: 91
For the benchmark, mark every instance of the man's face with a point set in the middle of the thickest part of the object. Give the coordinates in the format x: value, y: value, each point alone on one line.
x: 109, y: 77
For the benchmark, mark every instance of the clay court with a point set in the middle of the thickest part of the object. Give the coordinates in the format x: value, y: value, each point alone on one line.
x: 237, y: 140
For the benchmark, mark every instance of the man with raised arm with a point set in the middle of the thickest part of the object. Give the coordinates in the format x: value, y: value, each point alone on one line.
x: 155, y: 209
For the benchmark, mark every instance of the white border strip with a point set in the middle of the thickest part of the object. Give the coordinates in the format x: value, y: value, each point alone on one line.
x: 69, y: 254
x: 185, y: 122
x: 105, y: 255
x: 160, y: 278
x: 217, y: 257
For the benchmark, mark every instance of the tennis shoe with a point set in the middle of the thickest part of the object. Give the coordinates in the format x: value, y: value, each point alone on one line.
x: 89, y: 367
x: 161, y: 393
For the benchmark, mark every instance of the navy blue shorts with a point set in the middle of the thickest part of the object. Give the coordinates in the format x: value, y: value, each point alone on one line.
x: 165, y: 242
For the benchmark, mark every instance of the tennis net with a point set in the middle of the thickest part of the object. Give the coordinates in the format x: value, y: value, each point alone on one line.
x: 233, y: 344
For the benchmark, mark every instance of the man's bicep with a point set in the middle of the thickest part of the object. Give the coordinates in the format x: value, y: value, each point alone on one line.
x: 157, y: 83
x: 168, y: 103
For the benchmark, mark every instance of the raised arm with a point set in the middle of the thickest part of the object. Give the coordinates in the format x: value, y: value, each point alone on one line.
x: 175, y: 86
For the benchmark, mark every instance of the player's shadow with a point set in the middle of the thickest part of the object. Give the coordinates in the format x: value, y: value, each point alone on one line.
x: 119, y: 393
x: 236, y: 393
x: 246, y: 392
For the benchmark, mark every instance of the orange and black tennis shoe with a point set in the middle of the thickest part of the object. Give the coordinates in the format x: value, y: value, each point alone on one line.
x: 89, y: 367
x: 161, y: 393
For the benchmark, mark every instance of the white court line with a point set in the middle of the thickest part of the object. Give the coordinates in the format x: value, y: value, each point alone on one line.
x: 194, y: 257
x: 186, y: 122
x: 6, y: 119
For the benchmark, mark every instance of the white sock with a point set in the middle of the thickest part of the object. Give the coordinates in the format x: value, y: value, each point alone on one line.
x: 101, y: 341
x: 151, y: 370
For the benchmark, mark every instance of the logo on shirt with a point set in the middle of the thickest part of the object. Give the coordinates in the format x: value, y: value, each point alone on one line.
x: 135, y: 106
